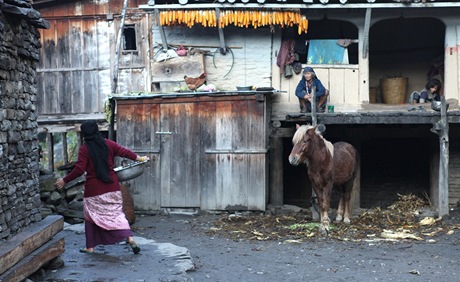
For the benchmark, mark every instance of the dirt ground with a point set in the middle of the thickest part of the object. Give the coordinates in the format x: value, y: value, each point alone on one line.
x: 393, y: 244
x: 251, y: 250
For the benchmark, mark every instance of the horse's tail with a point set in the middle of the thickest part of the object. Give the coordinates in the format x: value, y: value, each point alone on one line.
x: 357, y: 163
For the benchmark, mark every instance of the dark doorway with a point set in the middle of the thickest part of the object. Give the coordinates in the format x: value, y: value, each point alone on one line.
x: 395, y: 160
x: 414, y: 49
x: 394, y: 166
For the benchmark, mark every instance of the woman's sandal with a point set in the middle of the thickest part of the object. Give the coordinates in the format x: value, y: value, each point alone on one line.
x: 85, y: 251
x: 135, y: 247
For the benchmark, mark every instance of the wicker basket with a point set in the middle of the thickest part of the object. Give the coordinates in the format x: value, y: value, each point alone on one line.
x: 394, y: 90
x: 373, y: 95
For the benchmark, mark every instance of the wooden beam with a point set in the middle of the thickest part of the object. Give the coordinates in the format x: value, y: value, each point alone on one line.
x: 201, y: 46
x: 50, y: 150
x: 23, y: 244
x: 118, y: 47
x: 443, y: 132
x: 223, y: 47
x: 367, y: 25
x: 284, y: 6
x: 161, y: 30
x: 440, y: 195
x: 36, y: 260
x: 276, y: 172
x: 65, y: 154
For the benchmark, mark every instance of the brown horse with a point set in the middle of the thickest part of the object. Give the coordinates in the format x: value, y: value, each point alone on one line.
x: 328, y: 165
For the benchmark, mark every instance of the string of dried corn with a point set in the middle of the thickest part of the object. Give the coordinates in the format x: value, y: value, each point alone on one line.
x: 207, y: 18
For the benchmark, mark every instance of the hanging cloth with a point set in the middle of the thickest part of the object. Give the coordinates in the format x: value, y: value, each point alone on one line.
x: 286, y: 54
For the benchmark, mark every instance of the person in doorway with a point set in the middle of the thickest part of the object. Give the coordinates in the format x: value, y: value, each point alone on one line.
x: 304, y: 91
x: 105, y: 222
x: 431, y: 92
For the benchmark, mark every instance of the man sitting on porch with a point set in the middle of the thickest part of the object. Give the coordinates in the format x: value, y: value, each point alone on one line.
x: 304, y: 91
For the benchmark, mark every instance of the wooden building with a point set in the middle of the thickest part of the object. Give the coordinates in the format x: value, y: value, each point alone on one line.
x: 397, y: 147
x: 208, y: 150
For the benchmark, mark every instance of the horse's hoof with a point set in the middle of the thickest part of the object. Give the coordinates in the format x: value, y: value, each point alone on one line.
x: 338, y: 218
x: 346, y: 220
x: 323, y: 231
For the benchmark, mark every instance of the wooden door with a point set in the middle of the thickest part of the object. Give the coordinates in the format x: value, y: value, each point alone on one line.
x: 179, y: 155
x: 136, y: 125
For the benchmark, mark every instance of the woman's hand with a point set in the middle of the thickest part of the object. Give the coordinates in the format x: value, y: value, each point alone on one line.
x: 142, y: 159
x: 59, y: 183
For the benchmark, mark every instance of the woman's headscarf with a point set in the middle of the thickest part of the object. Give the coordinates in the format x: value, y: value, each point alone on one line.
x: 97, y: 148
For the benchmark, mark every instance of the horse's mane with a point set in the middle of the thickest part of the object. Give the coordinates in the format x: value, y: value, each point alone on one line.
x: 301, y: 132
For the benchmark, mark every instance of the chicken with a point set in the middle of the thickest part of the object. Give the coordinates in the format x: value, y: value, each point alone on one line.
x: 194, y: 82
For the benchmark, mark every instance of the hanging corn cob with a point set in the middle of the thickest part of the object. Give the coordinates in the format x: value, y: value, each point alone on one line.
x: 240, y: 18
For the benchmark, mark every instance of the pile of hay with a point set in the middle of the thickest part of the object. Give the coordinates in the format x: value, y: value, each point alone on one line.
x: 398, y: 221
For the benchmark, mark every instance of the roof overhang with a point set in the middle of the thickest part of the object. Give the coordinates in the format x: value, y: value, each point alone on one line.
x: 305, y: 4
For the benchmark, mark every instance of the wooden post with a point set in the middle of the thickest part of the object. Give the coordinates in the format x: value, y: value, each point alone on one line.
x: 314, y: 120
x: 50, y: 149
x: 223, y: 48
x: 161, y: 30
x: 276, y: 172
x: 116, y: 67
x: 79, y: 140
x: 314, y: 206
x: 65, y: 154
x: 441, y: 128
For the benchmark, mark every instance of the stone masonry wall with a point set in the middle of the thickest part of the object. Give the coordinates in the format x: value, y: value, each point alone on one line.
x: 19, y: 156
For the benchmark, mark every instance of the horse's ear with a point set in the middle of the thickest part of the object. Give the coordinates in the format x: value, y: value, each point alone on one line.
x: 311, y: 130
x: 297, y: 126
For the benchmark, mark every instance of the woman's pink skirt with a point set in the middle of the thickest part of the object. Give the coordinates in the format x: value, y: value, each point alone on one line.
x: 105, y: 222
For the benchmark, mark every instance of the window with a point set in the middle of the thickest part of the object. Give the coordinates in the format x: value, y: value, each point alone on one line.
x: 327, y: 42
x: 129, y: 38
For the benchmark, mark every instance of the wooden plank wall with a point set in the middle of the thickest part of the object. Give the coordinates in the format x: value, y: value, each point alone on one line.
x: 78, y: 51
x: 68, y: 77
x: 342, y: 82
x: 212, y: 151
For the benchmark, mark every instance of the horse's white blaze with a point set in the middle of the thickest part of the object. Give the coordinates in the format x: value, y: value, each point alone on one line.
x: 298, y: 135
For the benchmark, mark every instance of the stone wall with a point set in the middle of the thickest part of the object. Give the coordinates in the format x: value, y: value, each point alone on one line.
x: 19, y: 156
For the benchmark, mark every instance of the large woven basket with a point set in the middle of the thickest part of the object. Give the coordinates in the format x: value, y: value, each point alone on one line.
x: 394, y: 90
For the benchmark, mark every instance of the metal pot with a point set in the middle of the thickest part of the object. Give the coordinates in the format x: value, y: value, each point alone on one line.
x: 436, y: 106
x: 244, y: 88
x: 130, y: 171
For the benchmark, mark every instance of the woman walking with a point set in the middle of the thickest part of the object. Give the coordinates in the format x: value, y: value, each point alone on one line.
x: 105, y: 222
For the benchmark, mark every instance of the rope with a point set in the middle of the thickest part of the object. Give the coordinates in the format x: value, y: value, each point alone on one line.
x: 223, y: 52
